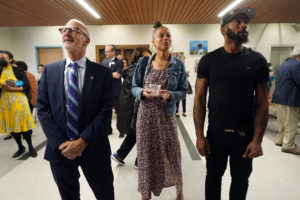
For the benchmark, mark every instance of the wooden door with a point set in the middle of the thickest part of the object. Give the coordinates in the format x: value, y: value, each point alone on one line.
x: 49, y: 55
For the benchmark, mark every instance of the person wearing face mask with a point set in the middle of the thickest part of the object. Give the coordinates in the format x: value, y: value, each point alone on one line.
x: 15, y: 115
x: 237, y: 79
x: 73, y: 105
x: 158, y: 148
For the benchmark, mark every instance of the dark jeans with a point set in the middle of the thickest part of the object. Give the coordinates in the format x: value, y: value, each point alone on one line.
x: 223, y: 145
x: 127, y: 144
x: 183, y: 105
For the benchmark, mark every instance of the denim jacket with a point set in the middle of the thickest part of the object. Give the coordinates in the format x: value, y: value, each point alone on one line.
x: 177, y: 82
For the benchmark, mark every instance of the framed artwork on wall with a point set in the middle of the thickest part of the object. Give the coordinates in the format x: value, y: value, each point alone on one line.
x: 179, y: 55
x: 198, y: 47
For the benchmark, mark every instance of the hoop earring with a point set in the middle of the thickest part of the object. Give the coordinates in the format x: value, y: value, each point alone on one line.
x: 153, y: 49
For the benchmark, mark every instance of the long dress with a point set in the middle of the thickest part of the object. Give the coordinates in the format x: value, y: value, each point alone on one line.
x: 158, y: 148
x: 15, y: 115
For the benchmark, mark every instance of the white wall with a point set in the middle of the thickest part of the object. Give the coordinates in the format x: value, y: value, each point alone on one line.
x: 6, y: 39
x: 23, y: 40
x: 263, y: 36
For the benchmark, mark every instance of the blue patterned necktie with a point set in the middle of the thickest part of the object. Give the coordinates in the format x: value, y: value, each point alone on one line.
x: 73, y: 98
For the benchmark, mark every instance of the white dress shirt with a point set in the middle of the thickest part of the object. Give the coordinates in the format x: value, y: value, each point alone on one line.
x: 81, y: 72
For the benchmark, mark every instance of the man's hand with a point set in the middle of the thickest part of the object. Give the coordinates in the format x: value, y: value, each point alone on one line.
x: 116, y: 75
x: 253, y: 150
x: 72, y: 149
x: 203, y: 146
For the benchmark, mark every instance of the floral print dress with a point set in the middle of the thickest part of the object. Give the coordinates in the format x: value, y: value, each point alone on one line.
x: 158, y: 148
x: 15, y: 115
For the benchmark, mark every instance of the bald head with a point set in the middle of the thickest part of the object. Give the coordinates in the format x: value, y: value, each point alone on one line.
x: 80, y: 25
x: 75, y: 38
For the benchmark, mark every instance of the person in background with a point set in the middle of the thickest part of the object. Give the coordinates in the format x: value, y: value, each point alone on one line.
x: 33, y: 86
x: 271, y: 78
x: 32, y: 83
x: 183, y: 101
x: 75, y: 132
x: 116, y: 66
x: 9, y: 136
x: 124, y: 117
x: 238, y: 81
x: 15, y: 115
x: 125, y: 61
x: 120, y: 57
x: 158, y: 148
x: 286, y: 96
x: 39, y: 74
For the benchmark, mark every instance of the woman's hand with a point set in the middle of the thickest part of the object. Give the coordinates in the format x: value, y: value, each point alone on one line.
x: 7, y: 88
x: 12, y: 89
x: 148, y: 93
x: 164, y: 95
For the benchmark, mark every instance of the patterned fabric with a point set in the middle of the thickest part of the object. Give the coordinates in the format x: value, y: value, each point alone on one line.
x: 158, y: 147
x: 73, y: 98
x: 15, y: 115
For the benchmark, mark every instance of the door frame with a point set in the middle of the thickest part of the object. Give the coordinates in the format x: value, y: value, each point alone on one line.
x: 45, y: 47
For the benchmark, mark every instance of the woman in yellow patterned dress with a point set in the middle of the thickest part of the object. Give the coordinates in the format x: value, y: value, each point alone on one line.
x: 15, y: 115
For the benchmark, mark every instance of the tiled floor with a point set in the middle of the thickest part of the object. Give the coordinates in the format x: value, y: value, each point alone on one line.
x: 276, y: 175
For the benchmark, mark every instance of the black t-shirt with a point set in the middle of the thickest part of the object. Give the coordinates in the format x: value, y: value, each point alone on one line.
x: 232, y: 80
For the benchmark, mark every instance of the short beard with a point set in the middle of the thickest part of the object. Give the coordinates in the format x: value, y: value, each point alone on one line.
x: 236, y: 38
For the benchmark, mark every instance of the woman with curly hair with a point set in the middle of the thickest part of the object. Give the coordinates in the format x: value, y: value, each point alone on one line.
x: 158, y: 148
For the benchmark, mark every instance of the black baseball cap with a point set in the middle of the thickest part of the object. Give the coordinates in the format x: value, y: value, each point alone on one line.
x: 230, y: 15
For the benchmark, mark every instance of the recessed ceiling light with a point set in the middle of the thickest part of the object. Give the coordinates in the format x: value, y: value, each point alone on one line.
x: 229, y: 7
x: 89, y: 8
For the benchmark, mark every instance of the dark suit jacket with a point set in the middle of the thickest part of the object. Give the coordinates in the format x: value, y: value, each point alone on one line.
x: 117, y: 66
x: 287, y: 84
x: 94, y: 106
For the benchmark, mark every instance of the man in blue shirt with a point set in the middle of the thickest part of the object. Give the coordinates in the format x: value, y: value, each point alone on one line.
x: 286, y: 96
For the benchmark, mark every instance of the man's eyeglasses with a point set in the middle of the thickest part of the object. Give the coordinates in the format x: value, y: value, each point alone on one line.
x: 72, y: 30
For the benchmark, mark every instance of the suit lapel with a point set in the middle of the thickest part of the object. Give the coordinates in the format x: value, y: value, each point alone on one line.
x: 60, y: 82
x: 87, y: 85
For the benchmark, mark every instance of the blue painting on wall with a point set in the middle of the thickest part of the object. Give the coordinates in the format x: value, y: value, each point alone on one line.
x: 198, y: 47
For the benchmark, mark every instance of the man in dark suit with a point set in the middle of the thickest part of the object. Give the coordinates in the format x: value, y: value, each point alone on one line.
x: 73, y: 105
x: 116, y: 66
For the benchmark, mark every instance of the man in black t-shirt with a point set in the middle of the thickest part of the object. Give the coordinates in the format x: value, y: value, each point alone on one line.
x: 237, y: 79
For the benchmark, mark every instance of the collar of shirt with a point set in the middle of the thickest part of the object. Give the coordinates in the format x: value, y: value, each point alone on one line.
x: 80, y: 62
x: 81, y: 72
